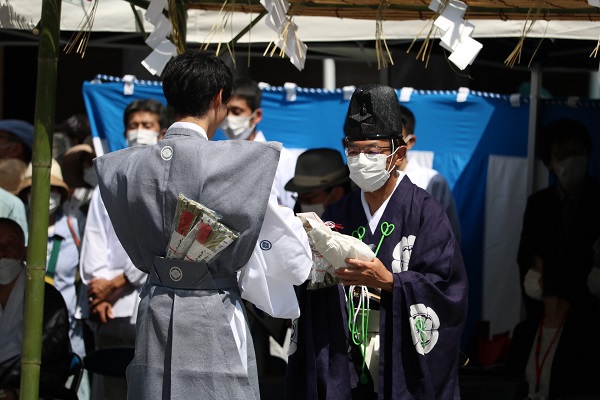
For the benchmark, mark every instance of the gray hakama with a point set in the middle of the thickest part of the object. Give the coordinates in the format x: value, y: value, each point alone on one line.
x: 185, y: 346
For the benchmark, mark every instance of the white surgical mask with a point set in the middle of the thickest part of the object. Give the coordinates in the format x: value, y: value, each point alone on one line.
x: 235, y: 127
x: 89, y: 176
x: 369, y: 172
x: 532, y: 286
x: 593, y: 282
x: 9, y: 270
x: 53, y: 203
x: 318, y: 208
x: 571, y: 171
x: 141, y: 137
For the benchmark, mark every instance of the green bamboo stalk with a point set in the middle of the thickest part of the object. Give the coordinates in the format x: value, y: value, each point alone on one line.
x: 40, y: 195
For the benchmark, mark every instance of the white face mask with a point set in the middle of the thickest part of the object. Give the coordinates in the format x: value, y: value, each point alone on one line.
x: 141, y: 137
x: 237, y: 127
x: 532, y: 286
x: 89, y: 176
x: 369, y: 172
x: 53, y: 203
x: 9, y: 270
x: 593, y: 282
x: 572, y: 170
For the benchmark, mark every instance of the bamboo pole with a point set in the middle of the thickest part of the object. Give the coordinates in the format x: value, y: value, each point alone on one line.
x: 40, y: 194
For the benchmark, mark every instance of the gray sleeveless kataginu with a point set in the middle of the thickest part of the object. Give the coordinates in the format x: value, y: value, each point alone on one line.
x: 185, y: 348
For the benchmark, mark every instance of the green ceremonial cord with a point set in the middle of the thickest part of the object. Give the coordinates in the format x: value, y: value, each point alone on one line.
x: 360, y: 336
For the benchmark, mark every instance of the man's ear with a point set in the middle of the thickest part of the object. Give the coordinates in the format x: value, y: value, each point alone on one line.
x: 258, y: 114
x: 400, y: 155
x: 410, y: 140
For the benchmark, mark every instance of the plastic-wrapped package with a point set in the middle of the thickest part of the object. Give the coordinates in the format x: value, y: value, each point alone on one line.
x: 330, y: 250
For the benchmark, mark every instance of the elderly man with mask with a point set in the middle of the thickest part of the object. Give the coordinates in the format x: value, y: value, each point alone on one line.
x: 401, y: 340
x: 56, y: 348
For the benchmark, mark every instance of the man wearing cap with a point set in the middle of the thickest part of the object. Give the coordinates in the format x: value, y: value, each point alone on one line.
x: 417, y: 284
x: 321, y: 178
x: 16, y: 139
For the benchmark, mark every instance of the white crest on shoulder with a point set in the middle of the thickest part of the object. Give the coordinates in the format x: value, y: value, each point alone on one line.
x: 401, y: 254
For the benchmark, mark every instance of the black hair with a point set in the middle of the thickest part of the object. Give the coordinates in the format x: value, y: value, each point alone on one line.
x: 146, y: 105
x: 192, y: 80
x: 408, y: 120
x: 248, y: 90
x: 560, y: 130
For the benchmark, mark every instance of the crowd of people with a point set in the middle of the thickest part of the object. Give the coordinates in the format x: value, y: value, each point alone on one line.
x: 386, y: 327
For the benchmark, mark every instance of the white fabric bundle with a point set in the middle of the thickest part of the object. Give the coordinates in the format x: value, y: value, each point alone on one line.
x: 332, y: 246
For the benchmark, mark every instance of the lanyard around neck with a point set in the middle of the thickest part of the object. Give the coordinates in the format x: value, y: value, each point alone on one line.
x: 538, y: 346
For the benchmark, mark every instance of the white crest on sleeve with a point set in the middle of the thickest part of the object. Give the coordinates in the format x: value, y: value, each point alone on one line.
x: 401, y: 254
x: 424, y: 324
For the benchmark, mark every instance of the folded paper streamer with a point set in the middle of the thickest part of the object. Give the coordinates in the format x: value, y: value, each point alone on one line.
x: 198, y: 234
x: 330, y: 249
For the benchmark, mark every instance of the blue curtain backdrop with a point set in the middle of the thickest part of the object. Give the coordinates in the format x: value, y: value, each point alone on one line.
x: 461, y: 134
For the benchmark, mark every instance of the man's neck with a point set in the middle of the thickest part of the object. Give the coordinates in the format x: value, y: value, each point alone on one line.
x: 378, y: 197
x: 201, y: 122
x: 252, y: 135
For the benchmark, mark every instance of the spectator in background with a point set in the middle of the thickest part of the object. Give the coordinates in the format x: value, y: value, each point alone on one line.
x: 62, y: 255
x: 427, y: 178
x: 80, y: 175
x: 12, y: 171
x: 16, y: 140
x: 71, y: 132
x: 243, y: 116
x: 56, y: 348
x: 112, y: 284
x: 321, y: 178
x: 561, y: 223
x: 554, y: 351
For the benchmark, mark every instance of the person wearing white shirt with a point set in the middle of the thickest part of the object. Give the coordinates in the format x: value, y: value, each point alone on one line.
x: 427, y: 178
x: 110, y: 298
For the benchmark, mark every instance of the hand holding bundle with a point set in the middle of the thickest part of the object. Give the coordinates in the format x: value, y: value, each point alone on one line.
x: 330, y: 249
x: 198, y: 233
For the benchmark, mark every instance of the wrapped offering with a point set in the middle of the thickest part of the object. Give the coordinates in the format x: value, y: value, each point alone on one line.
x: 330, y: 250
x: 198, y: 233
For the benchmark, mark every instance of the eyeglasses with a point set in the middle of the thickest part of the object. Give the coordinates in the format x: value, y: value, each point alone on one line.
x: 371, y: 150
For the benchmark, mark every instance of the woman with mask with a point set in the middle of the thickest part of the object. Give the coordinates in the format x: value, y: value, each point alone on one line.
x: 401, y: 340
x: 555, y: 352
x: 561, y: 223
x: 63, y: 248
